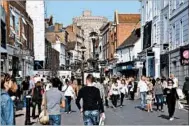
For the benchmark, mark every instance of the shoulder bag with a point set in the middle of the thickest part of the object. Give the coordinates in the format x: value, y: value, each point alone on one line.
x: 44, y: 116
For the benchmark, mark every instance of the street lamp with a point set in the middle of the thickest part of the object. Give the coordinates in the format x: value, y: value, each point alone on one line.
x: 93, y: 36
x: 82, y: 49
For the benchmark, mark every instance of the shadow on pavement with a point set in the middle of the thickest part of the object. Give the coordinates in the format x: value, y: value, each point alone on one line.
x: 19, y: 115
x: 166, y: 117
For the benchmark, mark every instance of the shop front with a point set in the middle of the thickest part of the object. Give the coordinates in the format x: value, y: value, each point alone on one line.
x: 127, y: 69
x: 179, y: 63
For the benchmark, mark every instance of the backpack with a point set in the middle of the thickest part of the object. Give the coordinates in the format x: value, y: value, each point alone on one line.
x: 37, y: 94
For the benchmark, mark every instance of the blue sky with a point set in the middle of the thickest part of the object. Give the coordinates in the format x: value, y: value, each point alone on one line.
x: 64, y: 11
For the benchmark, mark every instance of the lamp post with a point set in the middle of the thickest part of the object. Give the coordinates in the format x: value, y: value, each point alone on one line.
x: 100, y: 68
x: 83, y: 49
x: 93, y: 36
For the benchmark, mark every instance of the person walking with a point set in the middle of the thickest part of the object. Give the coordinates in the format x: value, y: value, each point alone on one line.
x: 54, y: 100
x: 175, y: 80
x: 158, y: 91
x: 143, y: 88
x: 186, y: 89
x: 7, y: 105
x: 149, y: 101
x: 25, y: 88
x: 171, y: 97
x: 69, y: 95
x: 37, y: 94
x: 106, y: 92
x: 115, y: 93
x: 92, y: 103
x: 123, y: 90
x: 98, y: 85
x: 132, y: 89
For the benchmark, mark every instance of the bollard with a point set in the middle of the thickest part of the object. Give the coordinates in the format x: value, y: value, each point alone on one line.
x: 27, y: 117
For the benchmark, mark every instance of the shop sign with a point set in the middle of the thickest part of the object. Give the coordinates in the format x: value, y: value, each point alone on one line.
x: 184, y: 54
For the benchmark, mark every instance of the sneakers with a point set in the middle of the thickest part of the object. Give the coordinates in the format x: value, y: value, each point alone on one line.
x: 171, y: 119
x: 121, y: 106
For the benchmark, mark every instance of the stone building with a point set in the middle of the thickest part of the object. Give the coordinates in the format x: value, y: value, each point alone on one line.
x: 165, y: 38
x: 179, y: 38
x: 58, y: 37
x: 89, y: 23
x: 36, y: 10
x: 19, y: 38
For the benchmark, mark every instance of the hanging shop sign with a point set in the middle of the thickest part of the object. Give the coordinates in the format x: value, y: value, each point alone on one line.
x: 184, y: 55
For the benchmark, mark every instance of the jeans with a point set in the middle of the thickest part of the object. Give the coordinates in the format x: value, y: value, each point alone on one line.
x: 54, y: 119
x: 91, y: 117
x: 68, y: 104
x: 143, y: 99
x: 160, y: 100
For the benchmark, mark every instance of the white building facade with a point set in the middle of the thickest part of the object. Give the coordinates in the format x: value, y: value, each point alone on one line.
x: 169, y: 34
x: 178, y: 37
x: 36, y: 11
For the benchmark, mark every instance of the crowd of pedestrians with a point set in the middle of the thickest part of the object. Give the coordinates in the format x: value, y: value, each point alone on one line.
x: 54, y: 93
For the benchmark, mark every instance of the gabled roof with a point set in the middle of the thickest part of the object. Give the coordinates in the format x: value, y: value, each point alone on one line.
x: 131, y: 40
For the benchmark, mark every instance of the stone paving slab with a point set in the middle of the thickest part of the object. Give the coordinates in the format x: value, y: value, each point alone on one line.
x: 128, y: 115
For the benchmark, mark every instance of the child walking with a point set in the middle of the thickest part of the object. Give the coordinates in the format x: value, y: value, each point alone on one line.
x: 149, y: 99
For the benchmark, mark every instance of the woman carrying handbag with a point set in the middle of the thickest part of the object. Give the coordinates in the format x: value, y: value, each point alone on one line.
x: 54, y: 100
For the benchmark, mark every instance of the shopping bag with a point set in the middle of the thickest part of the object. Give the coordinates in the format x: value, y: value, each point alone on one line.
x: 180, y: 93
x: 180, y: 106
x: 101, y: 123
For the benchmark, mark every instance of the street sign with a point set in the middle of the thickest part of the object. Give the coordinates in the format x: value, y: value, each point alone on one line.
x: 184, y: 54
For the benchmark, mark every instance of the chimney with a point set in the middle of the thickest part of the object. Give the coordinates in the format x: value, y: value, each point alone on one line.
x: 56, y: 27
x: 60, y: 26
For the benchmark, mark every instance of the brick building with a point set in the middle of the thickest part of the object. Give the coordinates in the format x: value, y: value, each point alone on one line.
x: 19, y: 38
x: 124, y: 25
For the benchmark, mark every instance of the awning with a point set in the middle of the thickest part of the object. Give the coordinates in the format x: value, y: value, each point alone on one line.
x: 3, y: 50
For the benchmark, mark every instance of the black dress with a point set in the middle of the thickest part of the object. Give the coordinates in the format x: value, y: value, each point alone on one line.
x: 171, y: 97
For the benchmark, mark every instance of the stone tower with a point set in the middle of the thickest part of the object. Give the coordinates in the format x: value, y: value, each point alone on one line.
x: 89, y: 23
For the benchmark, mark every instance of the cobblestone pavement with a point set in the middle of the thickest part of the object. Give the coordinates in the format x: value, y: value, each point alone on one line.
x: 128, y: 115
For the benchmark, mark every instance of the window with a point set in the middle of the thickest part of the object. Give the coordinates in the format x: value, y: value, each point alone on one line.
x: 173, y: 37
x: 173, y: 5
x: 165, y: 2
x: 155, y: 37
x: 181, y: 33
x: 23, y: 38
x: 165, y: 29
x: 17, y: 26
x: 12, y: 23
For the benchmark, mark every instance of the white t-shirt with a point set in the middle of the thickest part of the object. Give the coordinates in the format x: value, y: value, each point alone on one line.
x: 69, y: 92
x: 32, y: 85
x: 123, y: 88
x: 142, y: 86
x: 175, y: 80
x: 115, y: 89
